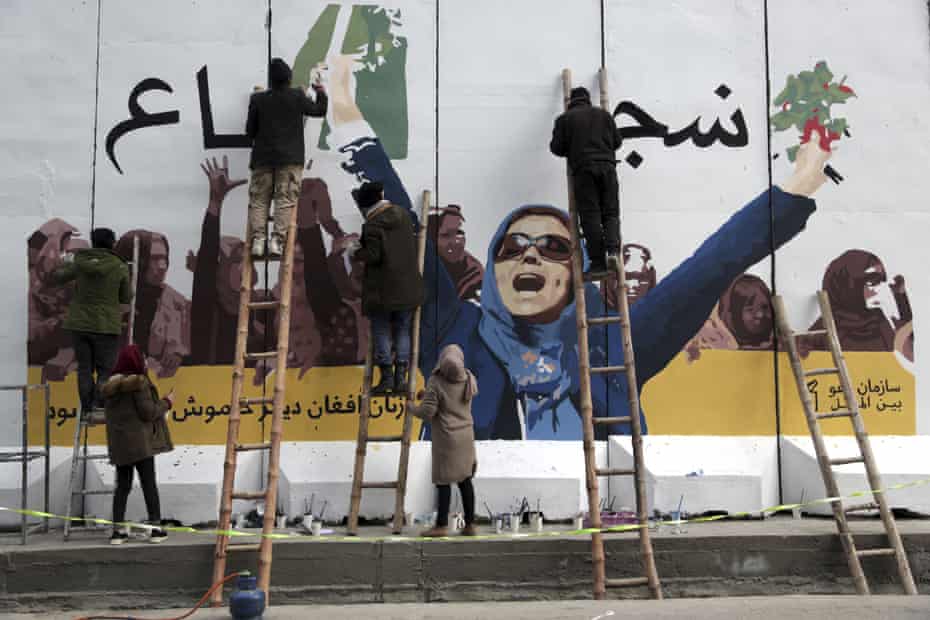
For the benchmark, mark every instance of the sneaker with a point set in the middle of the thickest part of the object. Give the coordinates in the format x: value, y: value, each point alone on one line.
x: 275, y: 245
x: 258, y: 247
x: 470, y: 530
x: 158, y: 535
x: 435, y: 532
x: 119, y: 537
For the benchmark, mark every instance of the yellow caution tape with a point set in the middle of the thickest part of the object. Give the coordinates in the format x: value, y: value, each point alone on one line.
x: 577, y: 532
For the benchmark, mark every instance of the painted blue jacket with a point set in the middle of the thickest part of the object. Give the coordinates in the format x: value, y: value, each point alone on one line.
x: 536, y: 396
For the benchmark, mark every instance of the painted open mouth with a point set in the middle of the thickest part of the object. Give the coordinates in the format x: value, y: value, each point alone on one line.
x: 532, y: 282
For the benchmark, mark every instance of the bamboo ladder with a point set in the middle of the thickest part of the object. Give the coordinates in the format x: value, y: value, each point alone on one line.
x: 592, y: 472
x: 233, y: 447
x: 361, y: 446
x: 865, y: 457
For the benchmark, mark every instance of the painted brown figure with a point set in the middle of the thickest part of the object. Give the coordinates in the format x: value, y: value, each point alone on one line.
x: 332, y: 283
x: 741, y: 320
x: 445, y: 229
x: 162, y: 322
x: 48, y: 345
x: 639, y: 272
x: 217, y: 271
x: 868, y: 310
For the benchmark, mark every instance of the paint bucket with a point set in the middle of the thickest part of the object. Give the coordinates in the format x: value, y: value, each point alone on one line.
x: 408, y: 519
x: 677, y: 527
x: 538, y: 523
x: 315, y: 528
x: 514, y: 524
x: 498, y: 525
x: 796, y: 512
x: 281, y: 522
x: 307, y: 521
x: 579, y: 522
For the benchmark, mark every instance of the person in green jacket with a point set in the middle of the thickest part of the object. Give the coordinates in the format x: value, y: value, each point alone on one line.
x: 94, y: 316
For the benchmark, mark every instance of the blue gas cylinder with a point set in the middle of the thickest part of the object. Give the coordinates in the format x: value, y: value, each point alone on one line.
x: 246, y: 602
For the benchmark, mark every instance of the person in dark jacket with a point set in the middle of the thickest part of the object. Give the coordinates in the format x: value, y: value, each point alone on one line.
x: 94, y: 315
x: 392, y: 286
x: 587, y: 135
x: 275, y: 125
x: 136, y: 432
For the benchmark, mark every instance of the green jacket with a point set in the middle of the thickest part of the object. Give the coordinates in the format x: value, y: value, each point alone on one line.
x: 101, y: 285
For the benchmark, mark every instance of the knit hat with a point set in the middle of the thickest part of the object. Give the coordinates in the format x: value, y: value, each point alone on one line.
x: 368, y: 195
x: 580, y: 93
x: 279, y: 73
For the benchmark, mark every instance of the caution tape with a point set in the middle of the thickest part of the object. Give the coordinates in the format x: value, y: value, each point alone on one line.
x: 576, y: 532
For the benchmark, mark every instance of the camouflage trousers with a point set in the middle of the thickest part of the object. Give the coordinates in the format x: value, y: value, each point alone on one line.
x: 282, y: 183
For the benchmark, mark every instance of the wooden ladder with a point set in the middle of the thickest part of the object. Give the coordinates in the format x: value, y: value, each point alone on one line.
x: 592, y: 472
x: 853, y: 555
x: 233, y: 447
x: 361, y: 447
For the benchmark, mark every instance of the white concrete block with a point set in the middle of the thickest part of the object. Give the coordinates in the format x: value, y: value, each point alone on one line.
x: 712, y: 473
x: 11, y: 481
x: 190, y: 479
x: 507, y: 471
x: 900, y: 459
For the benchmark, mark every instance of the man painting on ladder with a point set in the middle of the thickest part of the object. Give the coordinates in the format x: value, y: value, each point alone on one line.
x: 587, y: 135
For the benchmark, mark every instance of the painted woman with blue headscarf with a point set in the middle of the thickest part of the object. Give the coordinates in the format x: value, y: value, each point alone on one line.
x: 521, y: 342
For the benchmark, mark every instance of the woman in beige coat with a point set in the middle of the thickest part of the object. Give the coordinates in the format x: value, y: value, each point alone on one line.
x: 136, y: 432
x: 447, y: 406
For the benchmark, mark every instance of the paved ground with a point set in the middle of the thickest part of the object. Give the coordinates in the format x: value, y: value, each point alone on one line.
x: 753, y: 608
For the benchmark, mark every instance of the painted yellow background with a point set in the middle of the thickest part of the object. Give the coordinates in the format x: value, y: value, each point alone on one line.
x: 721, y: 393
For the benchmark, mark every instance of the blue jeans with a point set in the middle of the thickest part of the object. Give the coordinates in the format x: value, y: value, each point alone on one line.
x: 389, y: 328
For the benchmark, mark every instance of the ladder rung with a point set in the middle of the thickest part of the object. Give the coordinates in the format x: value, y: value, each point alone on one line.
x: 93, y: 457
x: 847, y: 461
x: 615, y: 472
x: 380, y: 485
x: 266, y: 259
x: 844, y: 413
x: 93, y: 492
x: 627, y: 583
x: 253, y: 547
x: 622, y: 420
x: 811, y: 332
x: 264, y: 400
x: 248, y: 495
x: 861, y: 507
x: 605, y: 320
x: 264, y: 355
x: 869, y: 552
x: 821, y: 371
x: 245, y: 447
x: 263, y: 305
x: 386, y: 438
x: 597, y: 370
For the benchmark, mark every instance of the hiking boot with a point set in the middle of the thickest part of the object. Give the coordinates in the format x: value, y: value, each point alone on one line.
x: 258, y: 247
x: 470, y: 530
x: 613, y: 261
x: 596, y: 269
x: 276, y: 245
x: 157, y: 536
x: 386, y: 385
x: 435, y: 532
x: 400, y: 377
x: 119, y: 537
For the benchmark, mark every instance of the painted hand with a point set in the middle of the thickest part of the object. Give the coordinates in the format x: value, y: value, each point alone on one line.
x: 341, y: 77
x: 218, y: 177
x: 808, y: 170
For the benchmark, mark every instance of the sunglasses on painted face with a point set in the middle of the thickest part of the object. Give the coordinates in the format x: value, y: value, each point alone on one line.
x: 552, y: 247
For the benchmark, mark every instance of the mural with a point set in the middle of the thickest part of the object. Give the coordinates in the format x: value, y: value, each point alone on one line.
x: 498, y: 275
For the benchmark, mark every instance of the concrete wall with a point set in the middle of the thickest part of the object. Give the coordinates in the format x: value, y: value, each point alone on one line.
x: 459, y: 99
